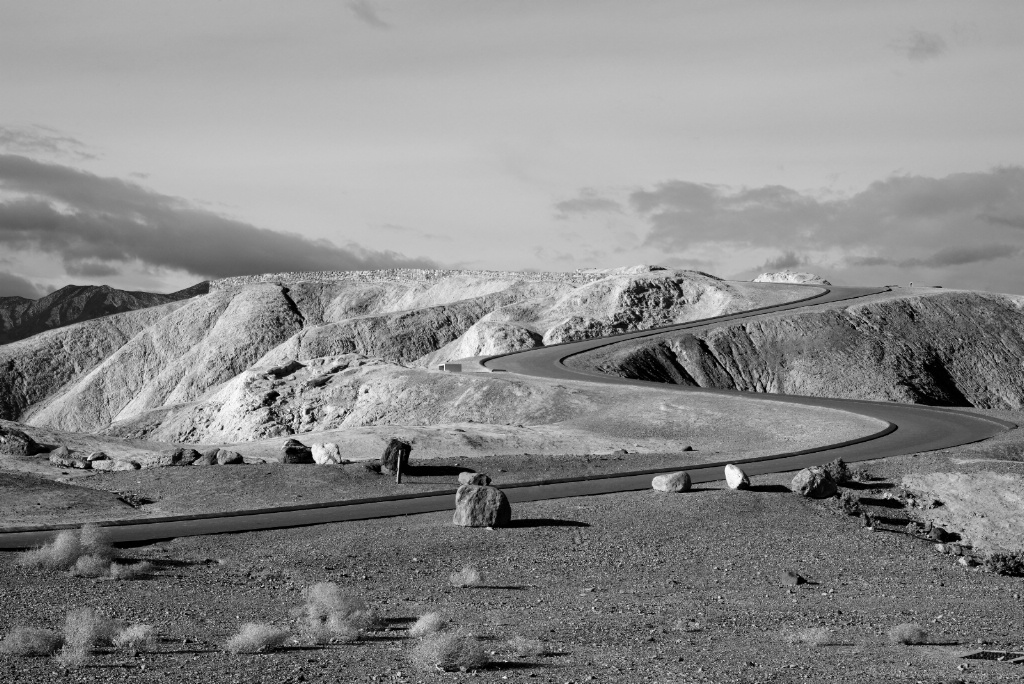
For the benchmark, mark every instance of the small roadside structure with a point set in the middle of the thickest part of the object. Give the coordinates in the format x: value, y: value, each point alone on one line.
x: 450, y: 367
x: 395, y: 457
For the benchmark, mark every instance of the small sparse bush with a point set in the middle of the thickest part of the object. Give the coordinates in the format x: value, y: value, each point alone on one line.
x: 86, y: 552
x: 467, y: 577
x: 849, y: 503
x: 330, y: 614
x: 909, y: 634
x: 812, y: 636
x: 84, y: 630
x: 449, y: 652
x: 130, y: 571
x: 523, y: 647
x: 71, y: 656
x: 91, y: 566
x: 136, y: 638
x: 95, y: 541
x: 31, y: 641
x: 429, y: 623
x: 1006, y: 563
x: 256, y: 637
x: 839, y: 471
x: 59, y: 554
x: 90, y: 628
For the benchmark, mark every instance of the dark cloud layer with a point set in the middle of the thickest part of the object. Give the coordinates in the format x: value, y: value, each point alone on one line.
x: 94, y: 224
x: 966, y: 226
x: 15, y: 286
x: 586, y: 203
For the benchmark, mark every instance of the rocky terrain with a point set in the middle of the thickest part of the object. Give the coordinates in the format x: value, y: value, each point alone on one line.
x: 140, y: 366
x: 787, y: 276
x: 21, y: 317
x: 921, y: 346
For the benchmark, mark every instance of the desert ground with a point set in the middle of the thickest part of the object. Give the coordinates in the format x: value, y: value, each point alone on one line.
x: 631, y: 587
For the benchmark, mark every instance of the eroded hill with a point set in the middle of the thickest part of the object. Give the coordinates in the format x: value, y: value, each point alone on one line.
x: 21, y: 317
x: 190, y: 364
x: 926, y: 346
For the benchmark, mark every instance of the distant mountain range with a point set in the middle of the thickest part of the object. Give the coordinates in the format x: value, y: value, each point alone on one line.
x: 21, y: 317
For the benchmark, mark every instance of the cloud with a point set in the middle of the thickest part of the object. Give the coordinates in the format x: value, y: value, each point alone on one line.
x: 587, y: 202
x: 366, y: 13
x: 15, y: 286
x: 91, y: 223
x: 784, y: 261
x: 961, y: 226
x: 960, y: 256
x: 918, y: 46
x: 37, y: 140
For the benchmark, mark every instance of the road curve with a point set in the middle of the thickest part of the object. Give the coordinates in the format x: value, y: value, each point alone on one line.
x: 910, y: 429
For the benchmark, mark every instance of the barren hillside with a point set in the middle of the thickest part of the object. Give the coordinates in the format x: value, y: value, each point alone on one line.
x: 21, y: 318
x: 926, y: 346
x: 199, y: 357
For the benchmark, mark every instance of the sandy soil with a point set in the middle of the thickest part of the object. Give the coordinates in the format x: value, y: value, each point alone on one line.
x: 611, y: 585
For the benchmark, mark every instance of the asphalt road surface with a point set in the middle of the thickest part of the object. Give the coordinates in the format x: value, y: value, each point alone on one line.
x: 910, y: 429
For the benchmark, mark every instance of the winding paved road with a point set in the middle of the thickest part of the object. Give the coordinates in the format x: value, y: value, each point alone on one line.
x: 910, y: 429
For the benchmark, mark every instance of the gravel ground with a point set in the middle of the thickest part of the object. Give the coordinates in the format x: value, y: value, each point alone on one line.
x: 633, y: 587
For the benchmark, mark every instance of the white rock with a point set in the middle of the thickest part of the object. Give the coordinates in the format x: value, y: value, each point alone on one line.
x: 787, y: 276
x: 326, y: 454
x: 736, y: 478
x: 479, y: 479
x: 672, y: 482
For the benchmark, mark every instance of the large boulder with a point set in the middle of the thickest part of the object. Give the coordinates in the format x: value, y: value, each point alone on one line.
x: 672, y: 482
x: 396, y: 452
x: 295, y: 452
x: 207, y: 458
x: 225, y: 457
x: 97, y: 456
x: 481, y: 507
x: 65, y: 458
x: 327, y: 453
x: 735, y: 478
x: 17, y: 443
x: 181, y: 456
x: 815, y: 483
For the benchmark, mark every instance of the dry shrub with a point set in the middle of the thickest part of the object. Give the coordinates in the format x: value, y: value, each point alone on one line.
x: 449, y: 652
x: 84, y: 630
x: 136, y: 639
x: 1011, y: 563
x: 86, y: 552
x: 428, y: 623
x: 523, y: 647
x: 91, y: 566
x: 95, y: 541
x: 255, y: 637
x: 31, y: 641
x: 130, y: 571
x: 812, y: 636
x: 59, y: 554
x: 909, y: 634
x: 467, y: 577
x: 330, y: 614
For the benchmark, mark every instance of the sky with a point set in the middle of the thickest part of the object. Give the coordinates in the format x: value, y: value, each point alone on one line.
x: 151, y: 145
